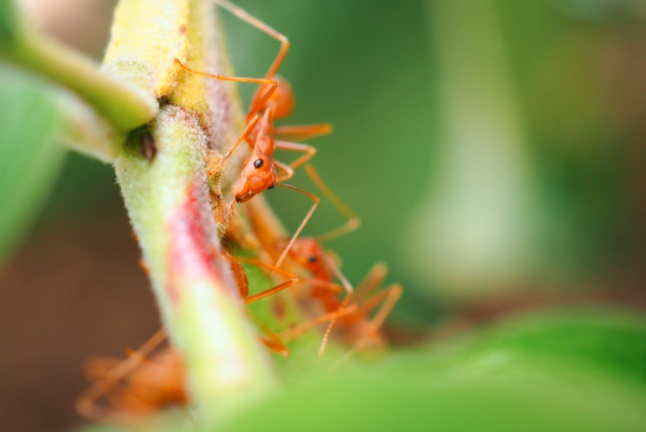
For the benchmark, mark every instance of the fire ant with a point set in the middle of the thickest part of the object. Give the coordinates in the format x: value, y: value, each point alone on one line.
x: 352, y: 312
x: 138, y: 385
x: 273, y: 100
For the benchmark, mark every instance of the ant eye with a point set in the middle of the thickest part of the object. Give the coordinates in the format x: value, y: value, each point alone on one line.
x: 312, y: 259
x: 258, y: 163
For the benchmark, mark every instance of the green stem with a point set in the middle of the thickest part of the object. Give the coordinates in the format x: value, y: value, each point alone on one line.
x: 125, y: 106
x: 168, y: 203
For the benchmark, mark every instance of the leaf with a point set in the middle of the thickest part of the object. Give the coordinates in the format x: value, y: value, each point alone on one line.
x: 558, y: 371
x: 29, y: 162
x: 8, y: 22
x: 585, y: 341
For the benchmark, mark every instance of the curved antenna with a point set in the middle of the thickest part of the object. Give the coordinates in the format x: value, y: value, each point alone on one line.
x: 303, y: 222
x: 245, y: 133
x: 349, y: 289
x: 353, y: 222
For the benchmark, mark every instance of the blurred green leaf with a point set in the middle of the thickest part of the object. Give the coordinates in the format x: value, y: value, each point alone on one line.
x: 8, y: 22
x: 29, y: 161
x: 557, y: 371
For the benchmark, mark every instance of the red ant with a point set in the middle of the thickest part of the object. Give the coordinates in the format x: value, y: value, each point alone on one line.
x: 323, y: 271
x: 273, y: 100
x: 138, y: 385
x: 142, y: 383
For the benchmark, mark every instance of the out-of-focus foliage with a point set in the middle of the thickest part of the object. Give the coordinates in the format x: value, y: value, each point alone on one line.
x: 562, y: 371
x: 567, y: 82
x: 571, y: 73
x: 29, y: 158
x: 574, y: 75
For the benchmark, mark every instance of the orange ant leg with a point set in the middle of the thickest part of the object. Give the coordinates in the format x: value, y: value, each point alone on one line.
x: 303, y: 132
x: 387, y: 297
x: 284, y: 43
x: 353, y: 222
x: 292, y: 280
x: 245, y: 133
x: 86, y: 403
x: 348, y: 287
x: 288, y: 171
x: 295, y: 332
x: 273, y: 342
x: 264, y: 81
x: 303, y: 222
x: 333, y: 288
x: 373, y: 279
x: 308, y: 151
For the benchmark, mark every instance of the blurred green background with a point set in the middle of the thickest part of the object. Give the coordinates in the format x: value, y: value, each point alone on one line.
x: 494, y: 149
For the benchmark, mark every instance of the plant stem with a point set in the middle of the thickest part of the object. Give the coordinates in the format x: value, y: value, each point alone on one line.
x: 125, y: 106
x: 169, y: 204
x: 169, y: 207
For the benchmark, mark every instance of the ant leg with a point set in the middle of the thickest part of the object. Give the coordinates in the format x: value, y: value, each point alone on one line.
x: 288, y: 171
x: 331, y: 287
x: 295, y: 332
x: 388, y: 297
x: 308, y: 151
x: 303, y: 222
x: 353, y: 222
x: 97, y: 368
x: 245, y: 133
x: 273, y: 342
x: 292, y: 279
x: 348, y: 287
x: 245, y: 16
x: 86, y: 403
x: 303, y: 132
x: 372, y: 280
x: 260, y: 101
x: 264, y: 81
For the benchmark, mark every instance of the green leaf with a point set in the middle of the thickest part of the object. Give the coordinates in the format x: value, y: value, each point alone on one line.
x: 583, y: 341
x: 29, y: 161
x: 562, y: 371
x: 8, y: 22
x: 361, y: 404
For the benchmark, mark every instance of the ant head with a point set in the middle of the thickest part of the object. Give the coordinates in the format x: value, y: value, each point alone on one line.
x: 258, y: 174
x: 307, y: 251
